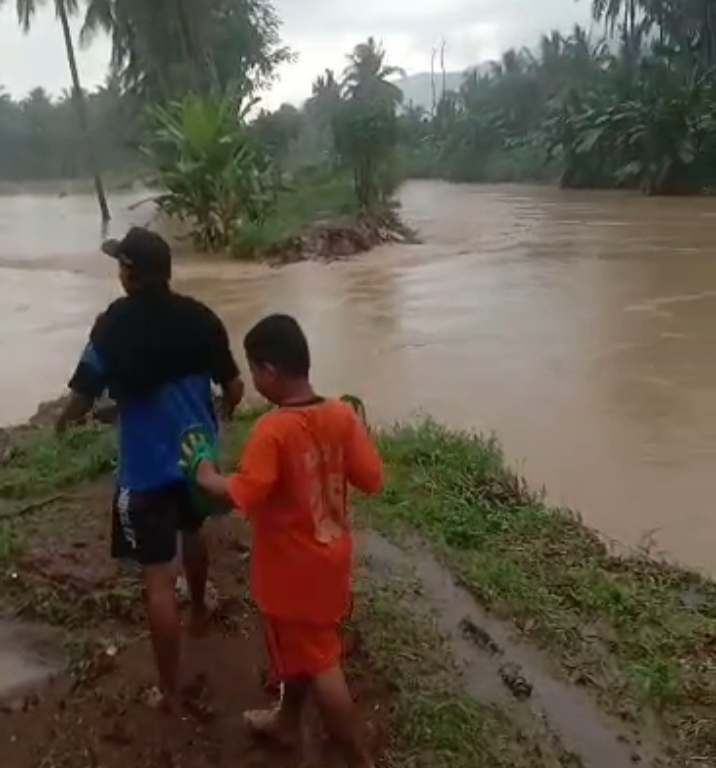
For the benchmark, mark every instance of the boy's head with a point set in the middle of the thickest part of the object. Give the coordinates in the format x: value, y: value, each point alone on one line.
x: 278, y: 355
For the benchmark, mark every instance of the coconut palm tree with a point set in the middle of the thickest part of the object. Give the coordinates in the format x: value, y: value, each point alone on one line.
x: 164, y: 48
x: 325, y: 99
x: 366, y: 75
x: 26, y: 10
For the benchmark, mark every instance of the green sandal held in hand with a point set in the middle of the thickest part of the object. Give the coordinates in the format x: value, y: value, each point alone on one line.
x: 198, y: 445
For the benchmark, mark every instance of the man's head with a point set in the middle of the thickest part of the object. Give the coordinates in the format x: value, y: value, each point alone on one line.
x: 278, y: 356
x: 144, y: 257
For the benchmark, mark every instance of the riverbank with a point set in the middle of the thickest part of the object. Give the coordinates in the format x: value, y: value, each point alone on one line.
x: 554, y: 651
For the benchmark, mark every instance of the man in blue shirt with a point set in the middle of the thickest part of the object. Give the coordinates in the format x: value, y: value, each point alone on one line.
x: 156, y: 353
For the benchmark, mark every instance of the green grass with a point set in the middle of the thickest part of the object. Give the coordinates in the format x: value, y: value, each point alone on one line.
x: 309, y: 202
x: 43, y: 463
x: 618, y: 625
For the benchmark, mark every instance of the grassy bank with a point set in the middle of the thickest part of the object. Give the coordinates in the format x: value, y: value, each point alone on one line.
x: 641, y: 635
x: 299, y: 207
x: 435, y: 724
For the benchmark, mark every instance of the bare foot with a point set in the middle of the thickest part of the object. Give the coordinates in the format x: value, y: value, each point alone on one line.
x: 162, y: 702
x: 268, y: 724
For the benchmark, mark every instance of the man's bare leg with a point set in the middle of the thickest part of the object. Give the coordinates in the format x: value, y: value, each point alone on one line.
x: 341, y: 717
x: 165, y: 628
x: 283, y: 723
x: 196, y: 568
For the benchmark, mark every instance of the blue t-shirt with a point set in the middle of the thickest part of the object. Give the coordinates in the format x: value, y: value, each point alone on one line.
x: 157, y: 356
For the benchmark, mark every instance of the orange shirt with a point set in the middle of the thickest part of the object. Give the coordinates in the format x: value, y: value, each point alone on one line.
x: 293, y: 485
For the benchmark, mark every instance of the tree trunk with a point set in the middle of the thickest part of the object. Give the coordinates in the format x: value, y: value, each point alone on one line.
x: 82, y: 112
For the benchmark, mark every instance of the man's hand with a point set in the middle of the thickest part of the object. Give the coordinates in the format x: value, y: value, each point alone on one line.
x: 74, y: 412
x: 231, y: 396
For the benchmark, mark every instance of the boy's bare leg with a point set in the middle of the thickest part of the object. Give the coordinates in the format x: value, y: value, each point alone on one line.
x: 196, y: 568
x: 165, y: 628
x: 341, y: 717
x: 283, y: 723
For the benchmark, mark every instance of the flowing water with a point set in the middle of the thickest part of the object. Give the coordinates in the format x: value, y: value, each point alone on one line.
x: 581, y: 326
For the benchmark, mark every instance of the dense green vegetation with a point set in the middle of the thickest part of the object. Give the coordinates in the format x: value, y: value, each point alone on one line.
x: 637, y: 108
x: 159, y: 50
x: 228, y: 177
x: 634, y: 108
x: 183, y: 83
x: 39, y: 139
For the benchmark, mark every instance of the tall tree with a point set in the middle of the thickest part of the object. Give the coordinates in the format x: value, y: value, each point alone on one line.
x: 367, y: 75
x: 164, y: 48
x: 365, y: 127
x: 26, y: 10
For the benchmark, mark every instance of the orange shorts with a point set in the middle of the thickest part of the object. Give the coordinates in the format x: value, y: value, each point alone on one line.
x: 297, y: 649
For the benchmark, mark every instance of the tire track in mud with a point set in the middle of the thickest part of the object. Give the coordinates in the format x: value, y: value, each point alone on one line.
x: 498, y: 669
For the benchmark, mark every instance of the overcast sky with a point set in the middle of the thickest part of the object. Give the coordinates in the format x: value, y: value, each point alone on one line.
x: 321, y: 32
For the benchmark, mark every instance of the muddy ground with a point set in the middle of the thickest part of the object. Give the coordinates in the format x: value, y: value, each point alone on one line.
x: 98, y: 715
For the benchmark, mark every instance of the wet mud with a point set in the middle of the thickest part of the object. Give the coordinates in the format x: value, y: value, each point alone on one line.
x: 96, y: 713
x: 497, y: 668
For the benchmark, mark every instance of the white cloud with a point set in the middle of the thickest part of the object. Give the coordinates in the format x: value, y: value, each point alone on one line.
x: 321, y: 33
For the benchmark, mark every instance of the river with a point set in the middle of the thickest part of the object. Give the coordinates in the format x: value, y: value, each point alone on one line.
x: 580, y: 326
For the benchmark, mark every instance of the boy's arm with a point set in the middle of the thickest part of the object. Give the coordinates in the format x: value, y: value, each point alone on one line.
x: 256, y: 479
x: 364, y: 467
x: 211, y: 481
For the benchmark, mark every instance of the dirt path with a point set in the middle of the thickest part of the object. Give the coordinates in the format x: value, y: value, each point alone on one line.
x: 98, y: 716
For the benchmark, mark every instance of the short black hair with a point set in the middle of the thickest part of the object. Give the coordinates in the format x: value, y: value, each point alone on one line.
x: 279, y: 341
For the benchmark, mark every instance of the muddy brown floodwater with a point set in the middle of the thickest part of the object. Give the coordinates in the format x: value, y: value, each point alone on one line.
x: 580, y: 326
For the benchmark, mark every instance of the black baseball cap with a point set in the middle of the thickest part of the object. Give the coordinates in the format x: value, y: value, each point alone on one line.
x: 144, y: 252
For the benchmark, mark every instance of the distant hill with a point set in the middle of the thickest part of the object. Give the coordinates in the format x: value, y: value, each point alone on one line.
x: 418, y: 88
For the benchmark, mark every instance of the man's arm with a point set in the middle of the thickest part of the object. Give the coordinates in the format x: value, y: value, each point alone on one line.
x: 88, y: 382
x: 225, y: 372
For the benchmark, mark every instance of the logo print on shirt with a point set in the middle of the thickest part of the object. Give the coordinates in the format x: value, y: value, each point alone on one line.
x: 125, y: 522
x: 326, y: 493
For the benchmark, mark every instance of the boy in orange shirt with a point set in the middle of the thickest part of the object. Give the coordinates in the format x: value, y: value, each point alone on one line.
x: 292, y: 484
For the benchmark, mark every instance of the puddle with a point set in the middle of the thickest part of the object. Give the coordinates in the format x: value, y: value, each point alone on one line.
x: 499, y: 669
x: 30, y: 655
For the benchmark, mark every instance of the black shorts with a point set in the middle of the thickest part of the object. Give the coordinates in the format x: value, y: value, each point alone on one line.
x: 145, y: 524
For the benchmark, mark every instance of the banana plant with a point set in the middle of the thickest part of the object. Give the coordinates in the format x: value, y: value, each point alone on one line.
x: 215, y: 175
